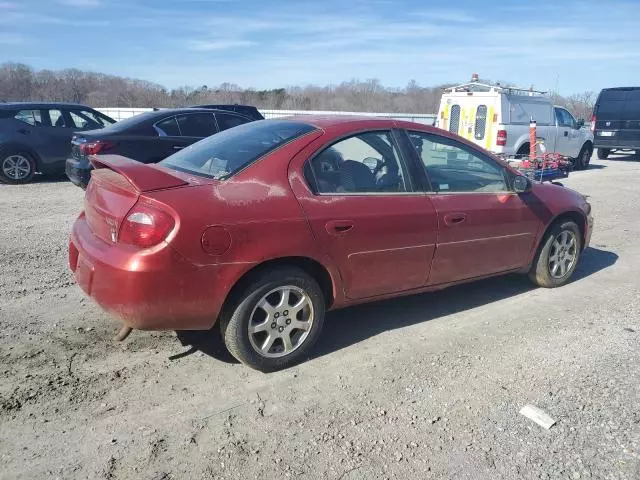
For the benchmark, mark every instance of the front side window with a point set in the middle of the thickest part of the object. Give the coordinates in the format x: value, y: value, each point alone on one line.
x: 57, y: 119
x: 226, y: 120
x: 565, y: 119
x: 167, y: 127
x: 365, y: 163
x: 198, y: 125
x: 455, y: 168
x: 222, y: 155
x: 31, y: 117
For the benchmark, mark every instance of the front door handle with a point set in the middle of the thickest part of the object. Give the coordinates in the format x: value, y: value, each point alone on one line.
x: 453, y: 219
x: 339, y: 227
x: 178, y: 147
x: 566, y: 133
x: 24, y: 131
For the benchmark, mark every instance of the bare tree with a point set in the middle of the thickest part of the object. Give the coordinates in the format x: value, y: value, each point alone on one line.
x: 21, y: 82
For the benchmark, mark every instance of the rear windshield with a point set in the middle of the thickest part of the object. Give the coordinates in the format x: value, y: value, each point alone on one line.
x: 227, y: 152
x: 623, y: 104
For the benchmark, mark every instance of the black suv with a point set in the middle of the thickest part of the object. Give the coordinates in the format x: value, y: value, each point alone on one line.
x: 36, y: 137
x: 616, y: 121
x: 152, y: 136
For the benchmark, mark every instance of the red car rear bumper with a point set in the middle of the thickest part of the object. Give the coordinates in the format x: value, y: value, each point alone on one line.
x: 153, y: 289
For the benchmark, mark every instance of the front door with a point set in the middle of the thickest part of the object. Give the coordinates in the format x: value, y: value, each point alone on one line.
x: 368, y: 216
x: 568, y: 137
x: 484, y: 228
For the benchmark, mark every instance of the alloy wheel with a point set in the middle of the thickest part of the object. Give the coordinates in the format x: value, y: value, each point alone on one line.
x: 563, y: 254
x: 16, y: 167
x: 281, y: 321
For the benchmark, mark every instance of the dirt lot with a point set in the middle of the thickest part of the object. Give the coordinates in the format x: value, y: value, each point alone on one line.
x: 423, y: 387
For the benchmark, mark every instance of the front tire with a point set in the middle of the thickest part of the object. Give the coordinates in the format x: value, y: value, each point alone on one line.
x: 584, y: 157
x: 603, y: 153
x: 558, y: 255
x: 16, y: 167
x: 274, y: 320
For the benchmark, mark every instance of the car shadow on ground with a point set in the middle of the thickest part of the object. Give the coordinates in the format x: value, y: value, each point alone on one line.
x: 349, y: 326
x: 598, y: 166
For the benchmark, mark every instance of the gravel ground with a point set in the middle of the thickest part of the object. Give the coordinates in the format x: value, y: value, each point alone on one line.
x: 428, y: 386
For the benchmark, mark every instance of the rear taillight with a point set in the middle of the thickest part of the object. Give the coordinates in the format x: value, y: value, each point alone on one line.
x: 146, y: 226
x: 96, y: 147
x: 501, y: 140
x: 593, y: 124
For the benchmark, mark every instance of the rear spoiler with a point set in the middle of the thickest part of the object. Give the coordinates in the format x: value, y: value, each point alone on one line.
x: 144, y: 178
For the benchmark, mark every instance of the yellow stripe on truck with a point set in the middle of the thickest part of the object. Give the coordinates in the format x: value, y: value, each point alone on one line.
x: 445, y: 119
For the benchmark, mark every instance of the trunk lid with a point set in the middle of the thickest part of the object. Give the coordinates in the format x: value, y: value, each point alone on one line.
x: 115, y: 187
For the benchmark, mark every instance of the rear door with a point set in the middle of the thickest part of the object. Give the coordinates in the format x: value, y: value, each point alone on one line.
x: 368, y: 215
x: 483, y: 227
x: 56, y: 133
x: 168, y: 141
x: 617, y: 119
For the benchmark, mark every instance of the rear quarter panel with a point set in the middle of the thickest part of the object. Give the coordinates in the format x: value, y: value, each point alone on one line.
x: 258, y: 210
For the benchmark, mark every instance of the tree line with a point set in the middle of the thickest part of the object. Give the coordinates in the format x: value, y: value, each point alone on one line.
x: 19, y: 82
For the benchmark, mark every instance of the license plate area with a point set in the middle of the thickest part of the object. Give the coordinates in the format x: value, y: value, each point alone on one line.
x: 606, y: 134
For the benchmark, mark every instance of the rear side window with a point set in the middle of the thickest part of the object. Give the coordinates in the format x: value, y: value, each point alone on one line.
x: 96, y: 119
x: 168, y: 127
x: 57, y: 119
x: 481, y: 122
x: 226, y: 121
x: 454, y: 121
x: 197, y: 124
x: 222, y: 155
x: 31, y: 117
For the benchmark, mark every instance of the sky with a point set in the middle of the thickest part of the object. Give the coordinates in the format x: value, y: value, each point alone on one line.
x: 568, y: 46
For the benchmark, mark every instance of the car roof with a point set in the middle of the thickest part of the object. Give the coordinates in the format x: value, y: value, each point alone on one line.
x: 326, y: 121
x: 14, y: 105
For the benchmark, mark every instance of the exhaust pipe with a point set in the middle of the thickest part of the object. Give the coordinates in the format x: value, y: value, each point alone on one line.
x: 123, y: 333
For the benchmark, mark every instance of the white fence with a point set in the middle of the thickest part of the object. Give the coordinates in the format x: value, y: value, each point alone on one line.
x: 122, y: 113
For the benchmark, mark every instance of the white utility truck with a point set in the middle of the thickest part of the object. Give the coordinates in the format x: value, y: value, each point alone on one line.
x: 497, y: 118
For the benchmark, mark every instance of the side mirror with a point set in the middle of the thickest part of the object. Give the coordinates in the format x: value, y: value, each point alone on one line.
x: 521, y: 184
x: 580, y: 123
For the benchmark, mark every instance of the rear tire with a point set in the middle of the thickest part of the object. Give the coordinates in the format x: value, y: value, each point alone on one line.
x: 523, y: 151
x: 584, y: 157
x: 557, y: 256
x: 16, y: 167
x: 603, y: 153
x: 283, y: 303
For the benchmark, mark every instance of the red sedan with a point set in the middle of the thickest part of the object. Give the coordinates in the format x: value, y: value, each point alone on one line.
x: 265, y: 226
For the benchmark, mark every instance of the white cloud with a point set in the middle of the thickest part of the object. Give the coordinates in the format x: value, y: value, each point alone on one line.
x: 213, y: 45
x: 81, y: 3
x: 11, y: 39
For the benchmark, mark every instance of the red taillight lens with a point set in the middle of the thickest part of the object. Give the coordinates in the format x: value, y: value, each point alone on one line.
x: 501, y: 140
x: 146, y: 226
x: 94, y: 148
x: 593, y: 124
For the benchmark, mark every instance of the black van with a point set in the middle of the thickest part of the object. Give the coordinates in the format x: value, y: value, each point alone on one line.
x: 616, y: 121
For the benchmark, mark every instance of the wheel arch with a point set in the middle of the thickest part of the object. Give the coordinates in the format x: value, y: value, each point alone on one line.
x: 316, y: 270
x: 25, y: 148
x: 574, y: 215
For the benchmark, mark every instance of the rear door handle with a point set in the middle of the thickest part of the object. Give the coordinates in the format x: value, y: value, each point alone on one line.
x: 339, y: 227
x: 566, y: 133
x: 24, y: 131
x: 178, y: 147
x: 453, y: 219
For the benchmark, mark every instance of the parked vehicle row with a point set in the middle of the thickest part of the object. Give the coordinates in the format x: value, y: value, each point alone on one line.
x: 265, y: 226
x: 54, y: 138
x: 497, y: 118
